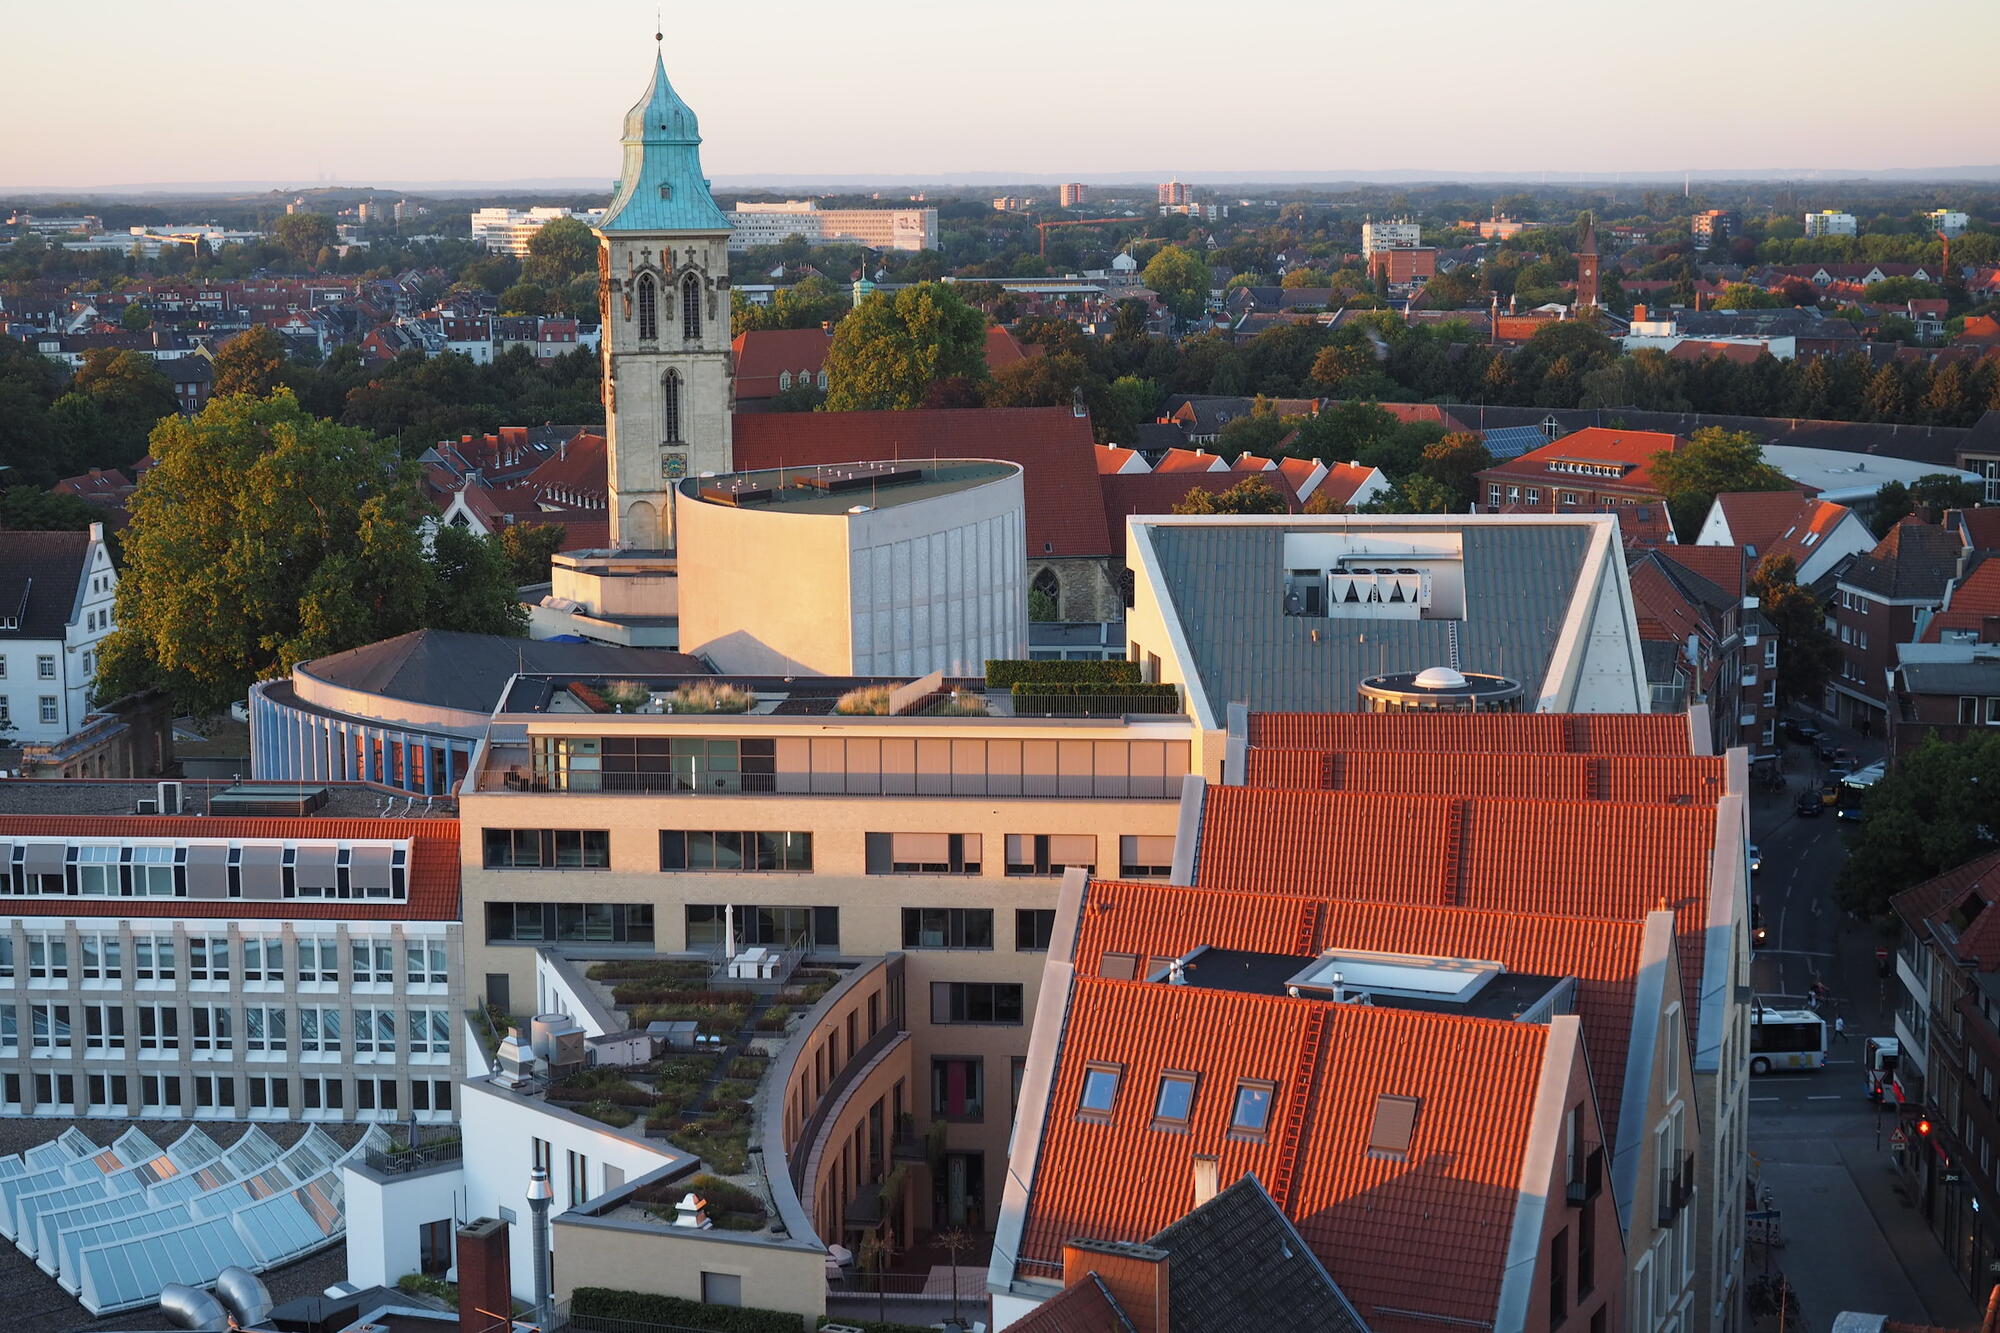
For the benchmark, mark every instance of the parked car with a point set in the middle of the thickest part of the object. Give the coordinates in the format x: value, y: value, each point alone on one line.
x: 1809, y: 805
x: 1831, y: 753
x: 1756, y: 859
x: 1760, y: 934
x: 1800, y: 733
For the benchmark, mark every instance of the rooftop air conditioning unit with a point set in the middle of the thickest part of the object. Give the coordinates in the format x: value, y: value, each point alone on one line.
x: 147, y: 806
x: 170, y: 798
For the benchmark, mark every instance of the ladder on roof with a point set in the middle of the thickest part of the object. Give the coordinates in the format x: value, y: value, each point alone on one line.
x: 1306, y: 941
x: 1598, y: 777
x: 1332, y: 770
x: 1305, y: 1078
x: 1451, y: 639
x: 1451, y: 891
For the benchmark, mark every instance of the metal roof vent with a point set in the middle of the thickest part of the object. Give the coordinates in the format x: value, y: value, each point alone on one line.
x: 692, y: 1211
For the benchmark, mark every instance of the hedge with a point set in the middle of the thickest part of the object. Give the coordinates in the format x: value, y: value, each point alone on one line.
x: 1091, y: 689
x: 1002, y: 672
x: 646, y: 1307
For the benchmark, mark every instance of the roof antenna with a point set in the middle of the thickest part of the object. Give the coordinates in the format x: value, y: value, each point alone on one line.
x: 659, y: 29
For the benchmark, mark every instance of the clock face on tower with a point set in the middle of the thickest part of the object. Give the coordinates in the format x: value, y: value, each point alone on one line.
x: 673, y: 464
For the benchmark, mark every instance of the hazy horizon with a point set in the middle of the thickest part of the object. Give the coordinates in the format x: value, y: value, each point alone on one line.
x: 502, y: 92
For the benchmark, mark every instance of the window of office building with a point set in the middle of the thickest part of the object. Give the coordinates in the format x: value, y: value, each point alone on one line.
x: 947, y: 928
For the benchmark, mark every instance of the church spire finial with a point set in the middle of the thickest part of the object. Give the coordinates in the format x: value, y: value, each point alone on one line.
x: 659, y: 29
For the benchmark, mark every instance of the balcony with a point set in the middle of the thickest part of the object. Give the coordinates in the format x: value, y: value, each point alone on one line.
x: 1586, y: 1180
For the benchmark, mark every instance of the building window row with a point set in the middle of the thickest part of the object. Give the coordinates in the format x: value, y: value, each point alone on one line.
x: 547, y: 849
x: 371, y: 960
x: 204, y: 870
x: 213, y: 1030
x: 220, y: 1093
x: 725, y: 851
x: 569, y: 923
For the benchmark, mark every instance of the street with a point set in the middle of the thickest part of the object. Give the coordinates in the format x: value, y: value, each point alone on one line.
x: 1851, y: 1238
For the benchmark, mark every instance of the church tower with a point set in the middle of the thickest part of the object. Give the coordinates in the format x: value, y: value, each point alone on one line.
x: 1586, y: 266
x: 663, y: 302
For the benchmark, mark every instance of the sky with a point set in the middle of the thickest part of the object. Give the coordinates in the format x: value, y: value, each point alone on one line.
x: 133, y: 91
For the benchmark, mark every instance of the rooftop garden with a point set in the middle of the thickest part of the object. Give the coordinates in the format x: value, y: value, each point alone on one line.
x: 699, y: 1101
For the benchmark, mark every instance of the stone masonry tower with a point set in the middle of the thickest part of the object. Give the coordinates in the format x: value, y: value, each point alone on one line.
x: 1586, y: 266
x: 663, y: 298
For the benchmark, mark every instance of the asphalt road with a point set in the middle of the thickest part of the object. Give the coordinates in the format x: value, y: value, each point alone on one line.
x: 1851, y: 1238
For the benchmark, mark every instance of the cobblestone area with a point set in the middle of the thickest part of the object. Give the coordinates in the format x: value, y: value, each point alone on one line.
x: 33, y: 1303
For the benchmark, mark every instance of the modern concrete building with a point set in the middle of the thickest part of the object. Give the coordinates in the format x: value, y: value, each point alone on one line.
x: 890, y: 568
x: 755, y: 224
x: 1293, y: 612
x: 507, y: 231
x: 1401, y: 234
x: 1826, y: 222
x: 1949, y: 221
x: 180, y: 950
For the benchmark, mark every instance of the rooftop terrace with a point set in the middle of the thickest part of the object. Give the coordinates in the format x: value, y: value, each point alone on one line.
x: 844, y: 488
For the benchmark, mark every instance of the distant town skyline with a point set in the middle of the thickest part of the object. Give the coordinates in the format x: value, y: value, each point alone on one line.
x: 510, y: 91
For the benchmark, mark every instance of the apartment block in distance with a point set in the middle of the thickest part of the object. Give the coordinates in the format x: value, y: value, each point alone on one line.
x: 755, y: 224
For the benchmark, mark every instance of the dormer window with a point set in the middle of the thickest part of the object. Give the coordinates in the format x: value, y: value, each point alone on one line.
x: 666, y: 191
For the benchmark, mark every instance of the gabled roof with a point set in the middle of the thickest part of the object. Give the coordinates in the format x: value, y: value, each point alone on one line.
x: 1165, y: 921
x: 1052, y: 444
x: 1343, y: 481
x: 1714, y: 575
x: 1083, y: 1307
x: 1954, y: 909
x: 1429, y: 1233
x: 1191, y: 460
x: 1116, y: 458
x: 1914, y: 562
x: 1968, y: 603
x: 1755, y: 518
x: 1979, y: 529
x: 40, y: 573
x: 1631, y: 451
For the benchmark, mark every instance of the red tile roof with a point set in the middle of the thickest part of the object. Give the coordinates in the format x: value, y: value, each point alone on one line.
x: 1541, y: 733
x: 764, y: 354
x: 1721, y: 565
x: 1053, y: 445
x: 1189, y: 460
x: 1112, y: 457
x: 1559, y: 777
x: 1980, y: 527
x: 1631, y: 450
x: 1083, y: 1308
x: 1424, y: 414
x: 1430, y: 1233
x: 1696, y: 349
x: 1972, y: 600
x: 1343, y: 480
x: 433, y: 872
x: 1756, y: 518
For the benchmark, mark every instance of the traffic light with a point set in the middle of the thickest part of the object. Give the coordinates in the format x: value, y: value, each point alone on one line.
x: 1924, y: 1127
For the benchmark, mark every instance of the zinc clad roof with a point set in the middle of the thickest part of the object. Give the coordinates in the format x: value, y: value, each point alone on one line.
x: 432, y: 873
x: 1538, y: 733
x: 469, y: 672
x: 1226, y: 582
x: 1052, y: 444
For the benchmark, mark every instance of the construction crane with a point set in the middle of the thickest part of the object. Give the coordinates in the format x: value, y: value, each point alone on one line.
x: 1042, y: 229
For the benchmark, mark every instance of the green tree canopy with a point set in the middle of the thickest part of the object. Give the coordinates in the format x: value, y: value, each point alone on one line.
x: 1252, y: 495
x: 303, y: 235
x: 1807, y: 654
x: 251, y: 362
x: 1181, y: 278
x: 32, y: 509
x: 560, y: 252
x: 1930, y: 813
x: 135, y: 318
x: 1452, y: 463
x: 530, y: 547
x: 263, y: 537
x: 1713, y: 462
x: 889, y: 351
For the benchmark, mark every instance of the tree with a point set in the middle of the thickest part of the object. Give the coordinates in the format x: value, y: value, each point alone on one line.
x: 890, y: 349
x: 1931, y: 813
x: 1252, y: 495
x: 251, y: 362
x: 1713, y: 462
x: 263, y: 537
x: 1891, y: 505
x: 1898, y: 290
x: 1257, y: 433
x: 561, y: 251
x: 1807, y: 653
x: 1181, y: 278
x: 112, y: 403
x: 1416, y: 494
x: 1745, y: 296
x: 529, y: 548
x: 472, y: 585
x: 1453, y: 463
x: 135, y: 318
x: 303, y: 235
x: 32, y: 509
x: 526, y: 298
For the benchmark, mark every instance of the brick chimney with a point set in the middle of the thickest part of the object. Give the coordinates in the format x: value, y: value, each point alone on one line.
x: 485, y: 1287
x: 1135, y: 1275
x: 1638, y: 314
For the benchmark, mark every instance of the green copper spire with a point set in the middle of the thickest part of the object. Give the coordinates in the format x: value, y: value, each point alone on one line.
x: 661, y: 187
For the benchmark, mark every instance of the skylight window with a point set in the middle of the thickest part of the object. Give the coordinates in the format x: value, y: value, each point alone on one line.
x: 1175, y: 1102
x: 1100, y: 1092
x: 1118, y: 966
x: 1395, y: 1124
x: 1251, y: 1116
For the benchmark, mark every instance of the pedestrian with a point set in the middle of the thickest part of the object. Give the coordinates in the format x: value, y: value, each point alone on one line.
x: 1839, y: 1028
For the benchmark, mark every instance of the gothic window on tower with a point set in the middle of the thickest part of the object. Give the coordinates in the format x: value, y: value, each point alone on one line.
x: 690, y: 307
x: 670, y: 407
x: 649, y: 309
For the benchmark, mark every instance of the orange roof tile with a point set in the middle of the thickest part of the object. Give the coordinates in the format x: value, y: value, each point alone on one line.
x: 1189, y: 460
x: 1429, y: 1233
x: 1541, y: 733
x: 1632, y: 450
x: 1083, y: 1308
x: 1112, y: 457
x: 1972, y: 600
x: 1721, y: 565
x: 1756, y: 518
x: 433, y: 872
x: 1560, y: 777
x: 1343, y: 480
